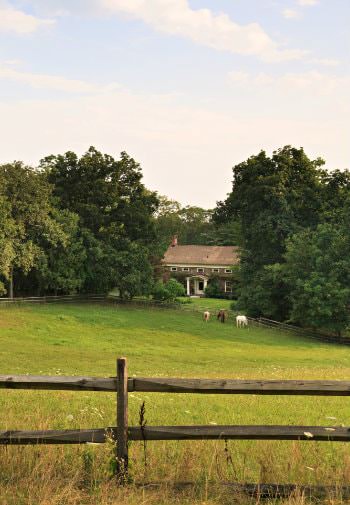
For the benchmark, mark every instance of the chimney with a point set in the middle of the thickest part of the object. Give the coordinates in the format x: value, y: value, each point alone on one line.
x: 174, y: 241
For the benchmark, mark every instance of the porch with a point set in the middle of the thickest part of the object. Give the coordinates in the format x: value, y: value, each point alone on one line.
x: 196, y: 285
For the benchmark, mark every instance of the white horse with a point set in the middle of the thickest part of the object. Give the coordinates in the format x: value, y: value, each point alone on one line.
x: 206, y: 316
x: 241, y: 321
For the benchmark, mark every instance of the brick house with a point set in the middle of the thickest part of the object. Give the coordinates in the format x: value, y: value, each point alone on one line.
x: 196, y: 265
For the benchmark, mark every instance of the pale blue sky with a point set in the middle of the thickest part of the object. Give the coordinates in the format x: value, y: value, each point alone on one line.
x: 187, y: 87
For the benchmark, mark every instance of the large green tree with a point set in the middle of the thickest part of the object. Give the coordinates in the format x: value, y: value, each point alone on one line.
x: 317, y: 271
x: 107, y: 194
x: 116, y: 217
x: 27, y: 215
x: 335, y: 195
x: 272, y: 198
x: 7, y: 231
x: 60, y: 268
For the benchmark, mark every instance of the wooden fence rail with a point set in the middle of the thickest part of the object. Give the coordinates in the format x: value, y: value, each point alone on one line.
x: 298, y: 330
x: 209, y: 432
x: 169, y: 385
x: 52, y: 299
x: 121, y: 433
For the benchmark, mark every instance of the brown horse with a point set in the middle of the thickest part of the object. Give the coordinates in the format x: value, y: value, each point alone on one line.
x: 221, y: 315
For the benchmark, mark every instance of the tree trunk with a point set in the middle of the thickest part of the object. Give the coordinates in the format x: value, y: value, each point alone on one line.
x: 10, y: 293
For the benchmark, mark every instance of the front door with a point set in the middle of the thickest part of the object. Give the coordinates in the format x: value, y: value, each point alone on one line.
x: 199, y: 287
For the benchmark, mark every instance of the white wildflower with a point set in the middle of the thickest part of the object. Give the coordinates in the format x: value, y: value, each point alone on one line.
x: 310, y: 468
x: 70, y: 417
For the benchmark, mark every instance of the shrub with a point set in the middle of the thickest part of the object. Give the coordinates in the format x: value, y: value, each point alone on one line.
x: 213, y: 288
x: 159, y: 291
x: 169, y: 291
x: 233, y: 305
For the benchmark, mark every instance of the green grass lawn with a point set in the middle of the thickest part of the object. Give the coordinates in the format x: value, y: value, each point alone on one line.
x: 87, y: 339
x: 211, y: 304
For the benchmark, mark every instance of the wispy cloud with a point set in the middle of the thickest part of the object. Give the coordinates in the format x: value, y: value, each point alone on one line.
x: 308, y: 3
x: 188, y: 139
x: 202, y: 26
x: 290, y: 14
x: 14, y: 20
x: 327, y: 62
x: 44, y: 81
x: 313, y: 82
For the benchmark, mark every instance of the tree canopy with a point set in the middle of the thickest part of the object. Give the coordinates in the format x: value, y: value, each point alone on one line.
x: 77, y: 224
x: 192, y: 225
x: 283, y: 203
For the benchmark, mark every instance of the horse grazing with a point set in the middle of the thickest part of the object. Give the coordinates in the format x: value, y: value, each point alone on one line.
x: 221, y: 315
x: 206, y: 316
x: 241, y: 321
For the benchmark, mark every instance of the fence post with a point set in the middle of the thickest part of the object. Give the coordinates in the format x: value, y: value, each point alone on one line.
x: 122, y: 420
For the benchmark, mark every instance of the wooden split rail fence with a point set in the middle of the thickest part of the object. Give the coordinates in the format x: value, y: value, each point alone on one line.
x: 121, y: 433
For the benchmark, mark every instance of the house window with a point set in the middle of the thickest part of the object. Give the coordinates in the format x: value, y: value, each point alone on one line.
x: 228, y: 287
x: 217, y: 270
x: 228, y: 271
x: 185, y: 269
x: 200, y: 270
x: 173, y: 269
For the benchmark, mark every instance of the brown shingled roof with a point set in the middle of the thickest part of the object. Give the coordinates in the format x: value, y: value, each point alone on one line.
x: 201, y: 255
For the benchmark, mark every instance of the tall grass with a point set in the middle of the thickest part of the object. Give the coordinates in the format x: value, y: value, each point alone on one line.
x: 85, y: 340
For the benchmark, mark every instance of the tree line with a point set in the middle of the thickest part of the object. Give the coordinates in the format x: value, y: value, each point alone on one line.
x: 88, y: 224
x: 76, y: 225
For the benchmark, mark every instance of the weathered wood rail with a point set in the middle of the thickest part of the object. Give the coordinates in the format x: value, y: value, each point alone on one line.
x: 209, y: 432
x: 52, y: 299
x: 121, y: 433
x: 298, y: 330
x: 170, y: 385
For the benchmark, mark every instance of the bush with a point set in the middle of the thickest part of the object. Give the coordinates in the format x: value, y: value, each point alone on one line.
x: 169, y: 291
x: 159, y: 291
x: 233, y: 305
x: 213, y: 290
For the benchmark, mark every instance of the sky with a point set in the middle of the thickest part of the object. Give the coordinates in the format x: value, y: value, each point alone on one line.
x: 188, y: 88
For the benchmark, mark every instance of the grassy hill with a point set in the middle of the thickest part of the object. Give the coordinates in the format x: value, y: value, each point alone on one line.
x: 87, y: 339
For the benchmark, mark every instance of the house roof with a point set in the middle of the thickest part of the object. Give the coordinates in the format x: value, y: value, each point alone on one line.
x: 201, y: 255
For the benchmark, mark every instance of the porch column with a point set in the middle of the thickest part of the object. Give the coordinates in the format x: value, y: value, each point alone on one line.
x: 205, y: 284
x: 188, y: 286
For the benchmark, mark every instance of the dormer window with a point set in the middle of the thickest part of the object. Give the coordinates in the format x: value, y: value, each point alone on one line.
x: 216, y: 270
x: 173, y: 269
x: 228, y: 271
x: 200, y: 270
x: 185, y: 269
